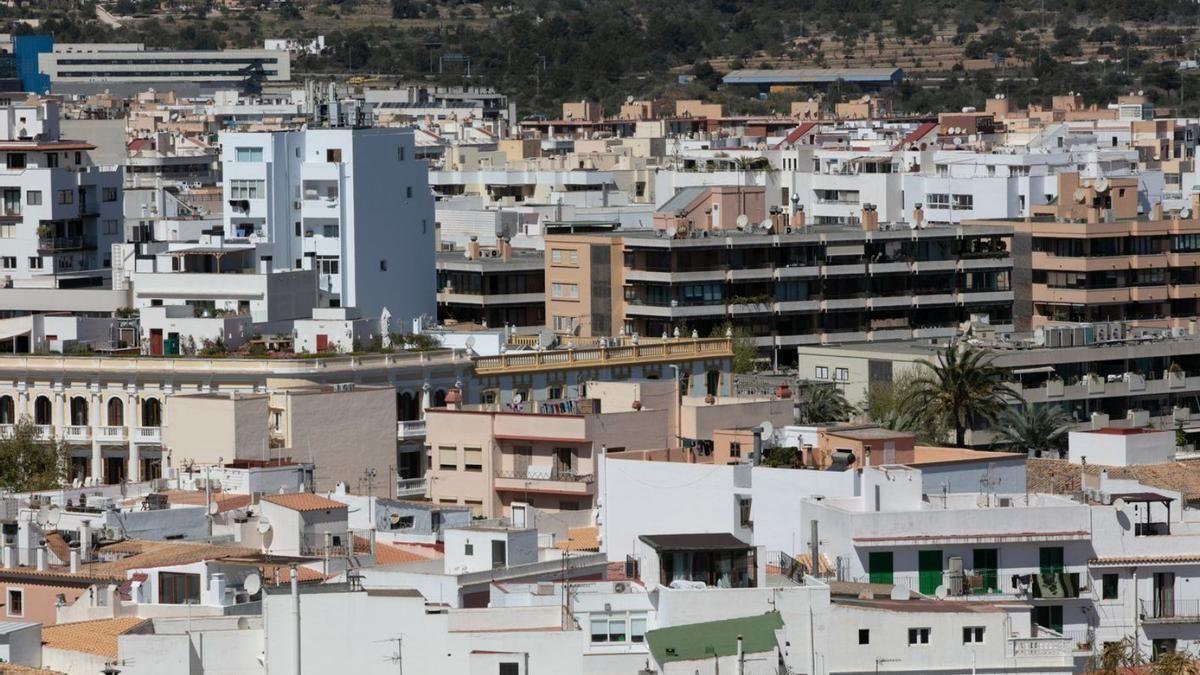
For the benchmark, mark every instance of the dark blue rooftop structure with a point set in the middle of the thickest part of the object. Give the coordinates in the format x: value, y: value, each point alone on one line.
x: 764, y: 79
x: 26, y: 48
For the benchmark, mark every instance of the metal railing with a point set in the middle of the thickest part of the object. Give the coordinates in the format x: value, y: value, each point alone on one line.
x: 59, y: 243
x: 647, y: 350
x: 406, y: 429
x: 791, y: 568
x: 550, y: 473
x: 1177, y: 610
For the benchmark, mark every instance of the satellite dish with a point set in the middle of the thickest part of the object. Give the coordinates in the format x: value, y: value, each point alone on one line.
x: 53, y: 513
x: 264, y: 526
x: 546, y: 339
x: 1185, y: 212
x: 942, y: 592
x: 214, y: 508
x: 252, y: 583
x: 517, y: 398
x: 42, y: 518
x: 743, y: 220
x: 766, y: 224
x: 1101, y: 185
x: 1080, y: 196
x: 767, y: 429
x: 981, y: 501
x: 1119, y: 504
x: 470, y: 342
x: 467, y: 254
x: 394, y: 518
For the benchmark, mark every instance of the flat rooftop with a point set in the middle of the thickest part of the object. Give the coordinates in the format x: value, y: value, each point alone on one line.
x: 812, y: 75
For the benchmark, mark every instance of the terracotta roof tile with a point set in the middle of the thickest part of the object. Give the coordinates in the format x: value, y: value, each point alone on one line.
x: 91, y: 637
x: 1061, y: 477
x: 138, y: 554
x: 303, y: 501
x: 224, y: 501
x: 280, y: 575
x: 386, y: 554
x: 580, y: 539
x: 14, y: 669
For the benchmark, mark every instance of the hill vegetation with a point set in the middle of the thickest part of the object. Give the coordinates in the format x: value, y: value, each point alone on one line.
x: 543, y: 52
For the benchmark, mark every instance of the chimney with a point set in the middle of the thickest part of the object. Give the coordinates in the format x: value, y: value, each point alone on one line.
x: 918, y: 217
x: 85, y: 540
x: 74, y: 561
x: 1196, y: 205
x: 473, y: 248
x: 265, y: 265
x: 801, y: 222
x: 870, y: 218
x: 505, y: 249
x: 1157, y: 212
x: 7, y: 557
x: 41, y: 557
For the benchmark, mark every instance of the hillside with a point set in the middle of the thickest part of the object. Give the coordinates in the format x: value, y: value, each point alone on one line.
x: 545, y: 51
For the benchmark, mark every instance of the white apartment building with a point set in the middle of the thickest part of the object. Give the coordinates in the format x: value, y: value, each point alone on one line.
x: 59, y: 213
x: 351, y: 204
x: 93, y: 65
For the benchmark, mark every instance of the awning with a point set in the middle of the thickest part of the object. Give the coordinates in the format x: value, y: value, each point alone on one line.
x: 1034, y: 369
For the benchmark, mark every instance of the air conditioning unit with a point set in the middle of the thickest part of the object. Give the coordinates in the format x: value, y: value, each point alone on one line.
x: 621, y: 587
x: 343, y: 386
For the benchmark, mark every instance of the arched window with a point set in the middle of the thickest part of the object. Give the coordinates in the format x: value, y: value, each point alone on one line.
x: 151, y: 413
x: 116, y: 412
x: 406, y: 407
x: 43, y: 411
x: 8, y: 410
x: 79, y: 411
x: 439, y: 398
x: 712, y: 383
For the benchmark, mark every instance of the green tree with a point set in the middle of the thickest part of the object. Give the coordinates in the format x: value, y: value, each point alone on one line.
x: 1033, y: 427
x: 745, y: 352
x: 961, y: 387
x: 820, y: 403
x: 27, y: 463
x: 890, y: 405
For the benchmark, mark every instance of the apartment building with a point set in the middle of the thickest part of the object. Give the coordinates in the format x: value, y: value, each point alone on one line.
x: 505, y: 459
x: 1092, y: 258
x: 61, y: 213
x: 492, y: 286
x: 351, y: 204
x: 785, y: 283
x: 131, y: 67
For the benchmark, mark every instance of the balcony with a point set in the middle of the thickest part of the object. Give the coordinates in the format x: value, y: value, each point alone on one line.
x: 111, y: 434
x: 43, y: 432
x: 55, y: 244
x: 1046, y: 644
x: 408, y: 488
x: 148, y: 435
x: 1170, y: 611
x: 545, y: 480
x: 408, y: 430
x: 77, y: 433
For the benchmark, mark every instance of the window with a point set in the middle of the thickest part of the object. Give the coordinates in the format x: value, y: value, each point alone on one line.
x: 972, y: 635
x: 33, y: 197
x: 938, y: 201
x: 556, y: 256
x: 562, y: 324
x: 247, y: 189
x: 744, y: 511
x: 298, y: 231
x: 964, y: 201
x: 249, y: 154
x: 468, y: 548
x: 864, y: 636
x: 329, y: 231
x: 564, y: 290
x: 509, y: 668
x: 178, y: 588
x: 328, y: 265
x: 473, y: 459
x: 617, y: 628
x: 400, y: 154
x: 382, y: 265
x: 448, y: 458
x: 35, y: 262
x: 564, y: 256
x: 333, y: 155
x: 111, y: 226
x: 8, y: 262
x: 841, y: 374
x: 8, y: 230
x: 109, y: 194
x: 16, y: 602
x: 408, y: 192
x: 918, y: 636
x: 822, y: 373
x: 52, y: 160
x: 637, y: 629
x: 15, y: 160
x: 66, y: 197
x: 1108, y: 585
x: 735, y: 449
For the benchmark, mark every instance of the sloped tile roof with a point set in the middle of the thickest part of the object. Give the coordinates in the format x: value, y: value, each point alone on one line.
x: 303, y: 501
x: 90, y: 637
x: 1059, y: 476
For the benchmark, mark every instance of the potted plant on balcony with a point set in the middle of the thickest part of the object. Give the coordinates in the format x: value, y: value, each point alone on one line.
x: 1175, y: 376
x: 1054, y: 385
x: 1095, y: 383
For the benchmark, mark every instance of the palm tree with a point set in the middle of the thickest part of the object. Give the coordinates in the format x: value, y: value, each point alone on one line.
x: 1034, y: 427
x: 822, y: 403
x: 963, y: 386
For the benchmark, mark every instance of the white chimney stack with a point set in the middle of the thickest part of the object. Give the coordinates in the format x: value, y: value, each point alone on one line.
x: 74, y: 561
x: 41, y: 557
x: 85, y: 540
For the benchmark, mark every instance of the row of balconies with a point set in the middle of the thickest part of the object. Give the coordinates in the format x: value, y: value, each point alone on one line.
x: 1041, y: 260
x: 789, y: 306
x: 1129, y: 384
x: 819, y: 270
x: 1095, y: 296
x: 82, y: 433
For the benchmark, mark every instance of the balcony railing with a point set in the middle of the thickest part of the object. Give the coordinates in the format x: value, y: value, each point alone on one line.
x: 7, y: 430
x: 1047, y: 644
x: 110, y: 433
x: 148, y: 434
x: 335, y: 544
x: 537, y: 473
x: 77, y: 432
x: 410, y: 487
x: 43, y: 432
x: 1171, y: 610
x: 410, y: 429
x: 59, y: 243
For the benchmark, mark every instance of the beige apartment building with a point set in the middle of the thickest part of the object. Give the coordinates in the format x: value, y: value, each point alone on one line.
x: 1090, y: 257
x: 503, y: 459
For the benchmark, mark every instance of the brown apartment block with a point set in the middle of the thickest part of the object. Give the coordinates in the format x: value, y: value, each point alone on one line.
x: 1090, y: 257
